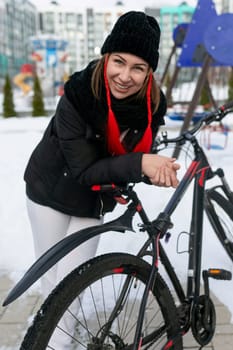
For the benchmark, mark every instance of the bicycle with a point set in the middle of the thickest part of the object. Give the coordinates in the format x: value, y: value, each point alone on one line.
x: 123, y: 301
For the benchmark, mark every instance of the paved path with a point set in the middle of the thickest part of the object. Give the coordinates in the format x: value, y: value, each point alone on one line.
x: 14, y: 320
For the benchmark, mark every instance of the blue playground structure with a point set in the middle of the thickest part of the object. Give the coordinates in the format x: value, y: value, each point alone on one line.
x: 205, y: 42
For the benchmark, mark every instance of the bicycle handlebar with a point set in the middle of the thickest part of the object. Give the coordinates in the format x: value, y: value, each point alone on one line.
x: 216, y: 115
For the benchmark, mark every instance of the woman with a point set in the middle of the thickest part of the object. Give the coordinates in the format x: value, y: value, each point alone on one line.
x: 101, y: 133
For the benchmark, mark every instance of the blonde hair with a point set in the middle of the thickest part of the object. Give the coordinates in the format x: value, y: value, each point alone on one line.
x: 97, y: 81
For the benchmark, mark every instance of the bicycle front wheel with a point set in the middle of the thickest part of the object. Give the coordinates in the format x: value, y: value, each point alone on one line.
x: 220, y: 213
x: 101, y: 301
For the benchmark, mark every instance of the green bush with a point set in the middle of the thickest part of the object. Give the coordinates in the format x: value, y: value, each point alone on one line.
x: 37, y: 100
x: 205, y: 98
x: 8, y: 101
x: 230, y: 86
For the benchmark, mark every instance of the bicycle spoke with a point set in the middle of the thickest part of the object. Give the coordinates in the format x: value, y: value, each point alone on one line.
x: 103, y: 304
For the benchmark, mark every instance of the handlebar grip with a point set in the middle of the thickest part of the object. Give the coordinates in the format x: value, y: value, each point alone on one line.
x: 117, y: 192
x: 226, y: 106
x: 105, y: 188
x: 218, y: 114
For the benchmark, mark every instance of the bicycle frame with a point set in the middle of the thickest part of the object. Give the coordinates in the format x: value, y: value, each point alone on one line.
x: 199, y: 171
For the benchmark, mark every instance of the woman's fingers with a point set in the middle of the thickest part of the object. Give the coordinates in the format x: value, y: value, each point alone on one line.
x: 165, y: 177
x: 161, y: 170
x: 174, y: 180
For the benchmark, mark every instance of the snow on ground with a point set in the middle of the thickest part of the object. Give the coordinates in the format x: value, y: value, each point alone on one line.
x: 18, y: 136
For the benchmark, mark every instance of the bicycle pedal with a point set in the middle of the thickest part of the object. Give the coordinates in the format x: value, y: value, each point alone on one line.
x: 219, y: 274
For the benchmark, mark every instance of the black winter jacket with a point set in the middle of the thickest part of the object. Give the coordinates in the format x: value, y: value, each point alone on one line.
x: 72, y: 154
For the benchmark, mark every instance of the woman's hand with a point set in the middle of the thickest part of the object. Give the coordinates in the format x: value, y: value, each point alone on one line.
x: 161, y: 170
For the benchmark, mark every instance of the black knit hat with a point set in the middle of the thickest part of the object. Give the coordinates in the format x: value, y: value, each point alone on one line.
x: 135, y: 33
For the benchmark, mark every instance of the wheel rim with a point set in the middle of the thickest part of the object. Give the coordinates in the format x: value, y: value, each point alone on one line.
x: 90, y: 295
x: 93, y: 330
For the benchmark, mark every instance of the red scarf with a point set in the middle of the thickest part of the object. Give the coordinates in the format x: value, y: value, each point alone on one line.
x: 115, y: 147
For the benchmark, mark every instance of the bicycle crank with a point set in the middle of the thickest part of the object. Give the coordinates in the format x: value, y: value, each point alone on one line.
x: 203, y: 320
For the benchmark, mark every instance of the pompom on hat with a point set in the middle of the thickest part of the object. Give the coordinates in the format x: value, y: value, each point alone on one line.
x: 135, y: 33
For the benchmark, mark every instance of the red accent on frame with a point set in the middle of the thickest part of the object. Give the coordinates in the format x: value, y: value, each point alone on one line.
x: 202, y: 176
x: 157, y: 248
x: 168, y: 345
x: 140, y: 344
x: 139, y: 207
x: 193, y: 168
x: 118, y: 270
x: 120, y: 200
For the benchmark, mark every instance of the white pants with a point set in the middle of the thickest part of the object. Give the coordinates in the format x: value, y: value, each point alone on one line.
x: 50, y: 226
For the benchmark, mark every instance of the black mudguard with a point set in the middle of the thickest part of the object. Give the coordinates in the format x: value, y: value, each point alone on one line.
x: 62, y: 248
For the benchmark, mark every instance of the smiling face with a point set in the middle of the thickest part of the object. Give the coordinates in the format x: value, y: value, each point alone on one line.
x: 126, y: 74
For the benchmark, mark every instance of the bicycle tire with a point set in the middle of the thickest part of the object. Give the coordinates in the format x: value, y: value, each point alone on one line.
x: 93, y: 276
x: 220, y: 214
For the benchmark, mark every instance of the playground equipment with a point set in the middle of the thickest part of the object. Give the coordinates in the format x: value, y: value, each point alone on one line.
x: 181, y: 115
x: 208, y: 42
x: 215, y: 136
x: 26, y: 71
x: 179, y: 34
x: 193, y: 52
x: 53, y: 63
x: 50, y: 62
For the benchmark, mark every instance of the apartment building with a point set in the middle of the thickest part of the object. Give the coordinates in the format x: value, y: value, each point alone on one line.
x: 84, y: 31
x: 55, y: 21
x: 17, y: 24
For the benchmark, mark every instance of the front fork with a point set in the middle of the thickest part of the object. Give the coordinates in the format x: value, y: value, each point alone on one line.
x: 157, y: 229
